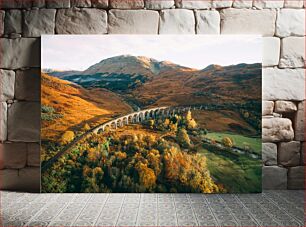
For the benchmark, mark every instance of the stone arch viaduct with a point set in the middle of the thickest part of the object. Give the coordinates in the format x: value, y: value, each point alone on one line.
x: 141, y: 115
x: 134, y: 117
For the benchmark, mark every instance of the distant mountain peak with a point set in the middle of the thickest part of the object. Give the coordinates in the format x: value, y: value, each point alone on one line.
x: 212, y: 67
x: 130, y: 64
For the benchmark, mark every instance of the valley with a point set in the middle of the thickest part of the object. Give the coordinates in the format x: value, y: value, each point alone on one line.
x: 188, y: 151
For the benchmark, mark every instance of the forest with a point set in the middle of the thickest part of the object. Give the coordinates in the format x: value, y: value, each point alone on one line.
x: 165, y: 154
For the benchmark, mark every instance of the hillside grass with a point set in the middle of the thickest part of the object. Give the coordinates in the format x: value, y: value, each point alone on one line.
x: 73, y: 106
x: 228, y: 121
x: 239, y: 140
x: 242, y: 175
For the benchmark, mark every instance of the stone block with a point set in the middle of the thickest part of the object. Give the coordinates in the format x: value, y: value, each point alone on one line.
x: 208, y: 22
x: 38, y: 22
x: 271, y: 51
x: 293, y: 4
x: 2, y: 15
x: 274, y: 177
x: 27, y: 86
x: 276, y: 84
x: 24, y: 122
x: 81, y: 21
x: 293, y: 52
x: 15, y: 4
x: 159, y: 4
x: 290, y: 22
x: 26, y: 179
x: 248, y: 21
x: 289, y: 154
x: 103, y: 4
x: 177, y: 21
x: 277, y: 129
x: 285, y: 107
x: 56, y: 4
x: 240, y: 4
x: 221, y: 3
x: 133, y: 22
x: 20, y: 53
x: 299, y: 122
x: 296, y: 178
x: 269, y: 154
x: 33, y: 158
x: 303, y: 157
x: 80, y: 3
x: 13, y: 21
x: 262, y: 4
x: 7, y: 85
x: 39, y: 3
x: 126, y: 4
x: 191, y: 4
x: 267, y: 107
x: 3, y: 121
x: 13, y: 155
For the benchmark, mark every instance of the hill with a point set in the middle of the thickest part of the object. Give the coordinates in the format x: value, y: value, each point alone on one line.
x: 123, y: 73
x: 215, y: 85
x: 144, y: 82
x: 67, y: 106
x: 60, y: 73
x: 128, y: 64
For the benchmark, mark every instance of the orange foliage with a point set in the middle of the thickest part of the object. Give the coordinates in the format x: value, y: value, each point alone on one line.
x: 76, y: 105
x: 147, y: 176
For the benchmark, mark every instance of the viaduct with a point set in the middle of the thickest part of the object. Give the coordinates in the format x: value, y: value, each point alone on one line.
x: 142, y: 115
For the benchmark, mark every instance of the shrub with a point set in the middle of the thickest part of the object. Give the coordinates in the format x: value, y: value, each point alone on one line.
x: 227, y: 141
x: 47, y: 109
x: 86, y: 127
x: 67, y: 137
x: 183, y: 138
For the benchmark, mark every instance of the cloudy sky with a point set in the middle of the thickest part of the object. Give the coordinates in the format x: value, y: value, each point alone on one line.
x: 78, y: 52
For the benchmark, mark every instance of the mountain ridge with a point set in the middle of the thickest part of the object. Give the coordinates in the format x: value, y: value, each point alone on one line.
x: 130, y: 64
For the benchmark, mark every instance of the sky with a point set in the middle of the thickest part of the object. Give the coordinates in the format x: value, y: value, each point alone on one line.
x: 79, y: 52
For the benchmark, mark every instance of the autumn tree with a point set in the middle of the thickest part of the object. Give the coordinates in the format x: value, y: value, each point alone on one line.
x: 67, y: 137
x: 147, y: 176
x: 227, y: 141
x: 183, y: 138
x: 86, y: 127
x: 151, y: 123
x: 191, y: 123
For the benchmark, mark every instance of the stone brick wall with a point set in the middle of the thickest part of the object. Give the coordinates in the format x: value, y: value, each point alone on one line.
x: 281, y: 22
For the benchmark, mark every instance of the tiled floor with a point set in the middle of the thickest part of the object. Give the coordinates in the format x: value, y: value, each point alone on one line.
x: 271, y: 208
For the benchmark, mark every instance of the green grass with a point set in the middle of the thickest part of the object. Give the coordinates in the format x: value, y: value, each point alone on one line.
x: 239, y: 140
x: 237, y: 175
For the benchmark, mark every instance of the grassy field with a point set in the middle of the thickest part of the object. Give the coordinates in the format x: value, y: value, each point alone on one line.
x: 239, y: 140
x: 239, y: 175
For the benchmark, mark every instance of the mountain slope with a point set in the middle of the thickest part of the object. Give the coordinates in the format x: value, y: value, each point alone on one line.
x: 61, y: 74
x: 128, y: 64
x: 234, y: 84
x: 66, y: 106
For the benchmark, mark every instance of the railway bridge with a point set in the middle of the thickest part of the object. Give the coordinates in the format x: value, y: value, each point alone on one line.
x: 142, y: 115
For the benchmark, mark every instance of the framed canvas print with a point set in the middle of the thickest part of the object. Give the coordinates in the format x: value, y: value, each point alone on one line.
x: 148, y: 113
